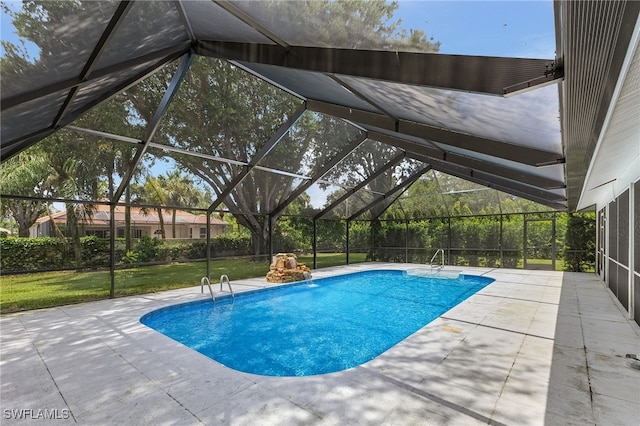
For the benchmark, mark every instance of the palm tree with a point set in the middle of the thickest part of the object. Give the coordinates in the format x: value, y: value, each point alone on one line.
x: 155, y: 193
x: 181, y: 192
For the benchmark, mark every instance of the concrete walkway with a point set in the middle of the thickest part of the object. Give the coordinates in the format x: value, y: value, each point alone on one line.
x: 532, y: 348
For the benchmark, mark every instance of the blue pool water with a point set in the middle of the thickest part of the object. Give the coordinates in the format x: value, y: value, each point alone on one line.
x: 313, y: 327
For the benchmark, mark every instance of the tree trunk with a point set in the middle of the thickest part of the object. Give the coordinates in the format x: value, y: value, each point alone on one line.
x: 25, y: 213
x: 259, y: 233
x: 161, y: 219
x: 74, y: 232
x: 173, y: 224
x: 23, y: 229
x: 127, y: 219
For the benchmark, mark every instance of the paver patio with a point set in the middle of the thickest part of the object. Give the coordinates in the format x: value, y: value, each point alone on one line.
x: 532, y: 348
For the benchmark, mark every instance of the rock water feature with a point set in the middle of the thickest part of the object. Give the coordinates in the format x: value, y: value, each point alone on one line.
x: 285, y: 269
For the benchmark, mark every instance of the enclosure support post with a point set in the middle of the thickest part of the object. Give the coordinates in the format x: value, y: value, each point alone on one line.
x: 524, y: 241
x: 406, y: 241
x: 209, y: 246
x: 553, y: 243
x: 500, y: 243
x: 347, y: 240
x: 315, y: 244
x: 449, y: 242
x: 112, y: 251
x: 270, y: 219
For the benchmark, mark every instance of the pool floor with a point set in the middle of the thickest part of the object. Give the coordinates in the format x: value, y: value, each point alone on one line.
x: 534, y: 347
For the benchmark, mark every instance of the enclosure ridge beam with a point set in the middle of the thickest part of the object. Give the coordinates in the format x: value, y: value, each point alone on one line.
x: 247, y: 19
x: 505, y: 172
x: 516, y: 153
x: 114, y: 23
x: 264, y: 151
x: 323, y: 171
x: 154, y: 124
x: 163, y: 55
x: 392, y: 163
x: 462, y: 160
x: 406, y: 183
x: 479, y: 74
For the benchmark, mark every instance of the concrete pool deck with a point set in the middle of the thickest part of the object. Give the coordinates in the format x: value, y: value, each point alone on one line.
x: 532, y: 348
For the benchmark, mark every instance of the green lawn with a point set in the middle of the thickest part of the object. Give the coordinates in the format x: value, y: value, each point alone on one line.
x: 542, y: 264
x: 46, y: 289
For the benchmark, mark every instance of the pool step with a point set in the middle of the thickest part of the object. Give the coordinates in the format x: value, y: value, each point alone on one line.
x: 435, y: 273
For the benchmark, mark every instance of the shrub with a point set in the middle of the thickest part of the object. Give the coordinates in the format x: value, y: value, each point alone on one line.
x: 148, y: 249
x: 580, y: 242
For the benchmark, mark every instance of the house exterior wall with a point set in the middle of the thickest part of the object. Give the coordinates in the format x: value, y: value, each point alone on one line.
x: 618, y: 200
x: 43, y: 229
x: 619, y: 248
x: 183, y: 231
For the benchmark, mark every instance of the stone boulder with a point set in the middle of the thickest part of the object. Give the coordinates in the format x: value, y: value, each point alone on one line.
x: 285, y: 268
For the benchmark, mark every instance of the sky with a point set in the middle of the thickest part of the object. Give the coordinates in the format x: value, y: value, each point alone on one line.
x: 514, y: 28
x: 523, y: 29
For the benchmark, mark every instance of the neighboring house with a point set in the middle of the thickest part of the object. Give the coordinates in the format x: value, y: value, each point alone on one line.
x: 143, y: 222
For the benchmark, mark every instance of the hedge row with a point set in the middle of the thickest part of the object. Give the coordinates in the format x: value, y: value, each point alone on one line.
x: 36, y: 254
x: 40, y: 254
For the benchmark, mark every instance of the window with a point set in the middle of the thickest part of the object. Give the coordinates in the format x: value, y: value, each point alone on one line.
x: 190, y: 232
x: 100, y: 233
x: 137, y: 233
x: 203, y: 232
x: 120, y: 232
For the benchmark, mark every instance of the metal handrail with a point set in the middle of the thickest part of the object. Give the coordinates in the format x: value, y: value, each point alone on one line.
x: 441, y: 251
x: 225, y: 278
x: 202, y: 282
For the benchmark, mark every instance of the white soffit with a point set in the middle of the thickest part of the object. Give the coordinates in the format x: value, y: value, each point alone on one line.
x: 616, y: 160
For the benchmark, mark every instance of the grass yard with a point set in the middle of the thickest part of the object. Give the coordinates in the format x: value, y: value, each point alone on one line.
x: 46, y: 289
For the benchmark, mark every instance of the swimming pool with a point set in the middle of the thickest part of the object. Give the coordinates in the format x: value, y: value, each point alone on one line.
x: 313, y: 327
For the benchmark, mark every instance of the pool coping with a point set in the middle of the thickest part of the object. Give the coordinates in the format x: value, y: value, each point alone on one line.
x: 533, y: 347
